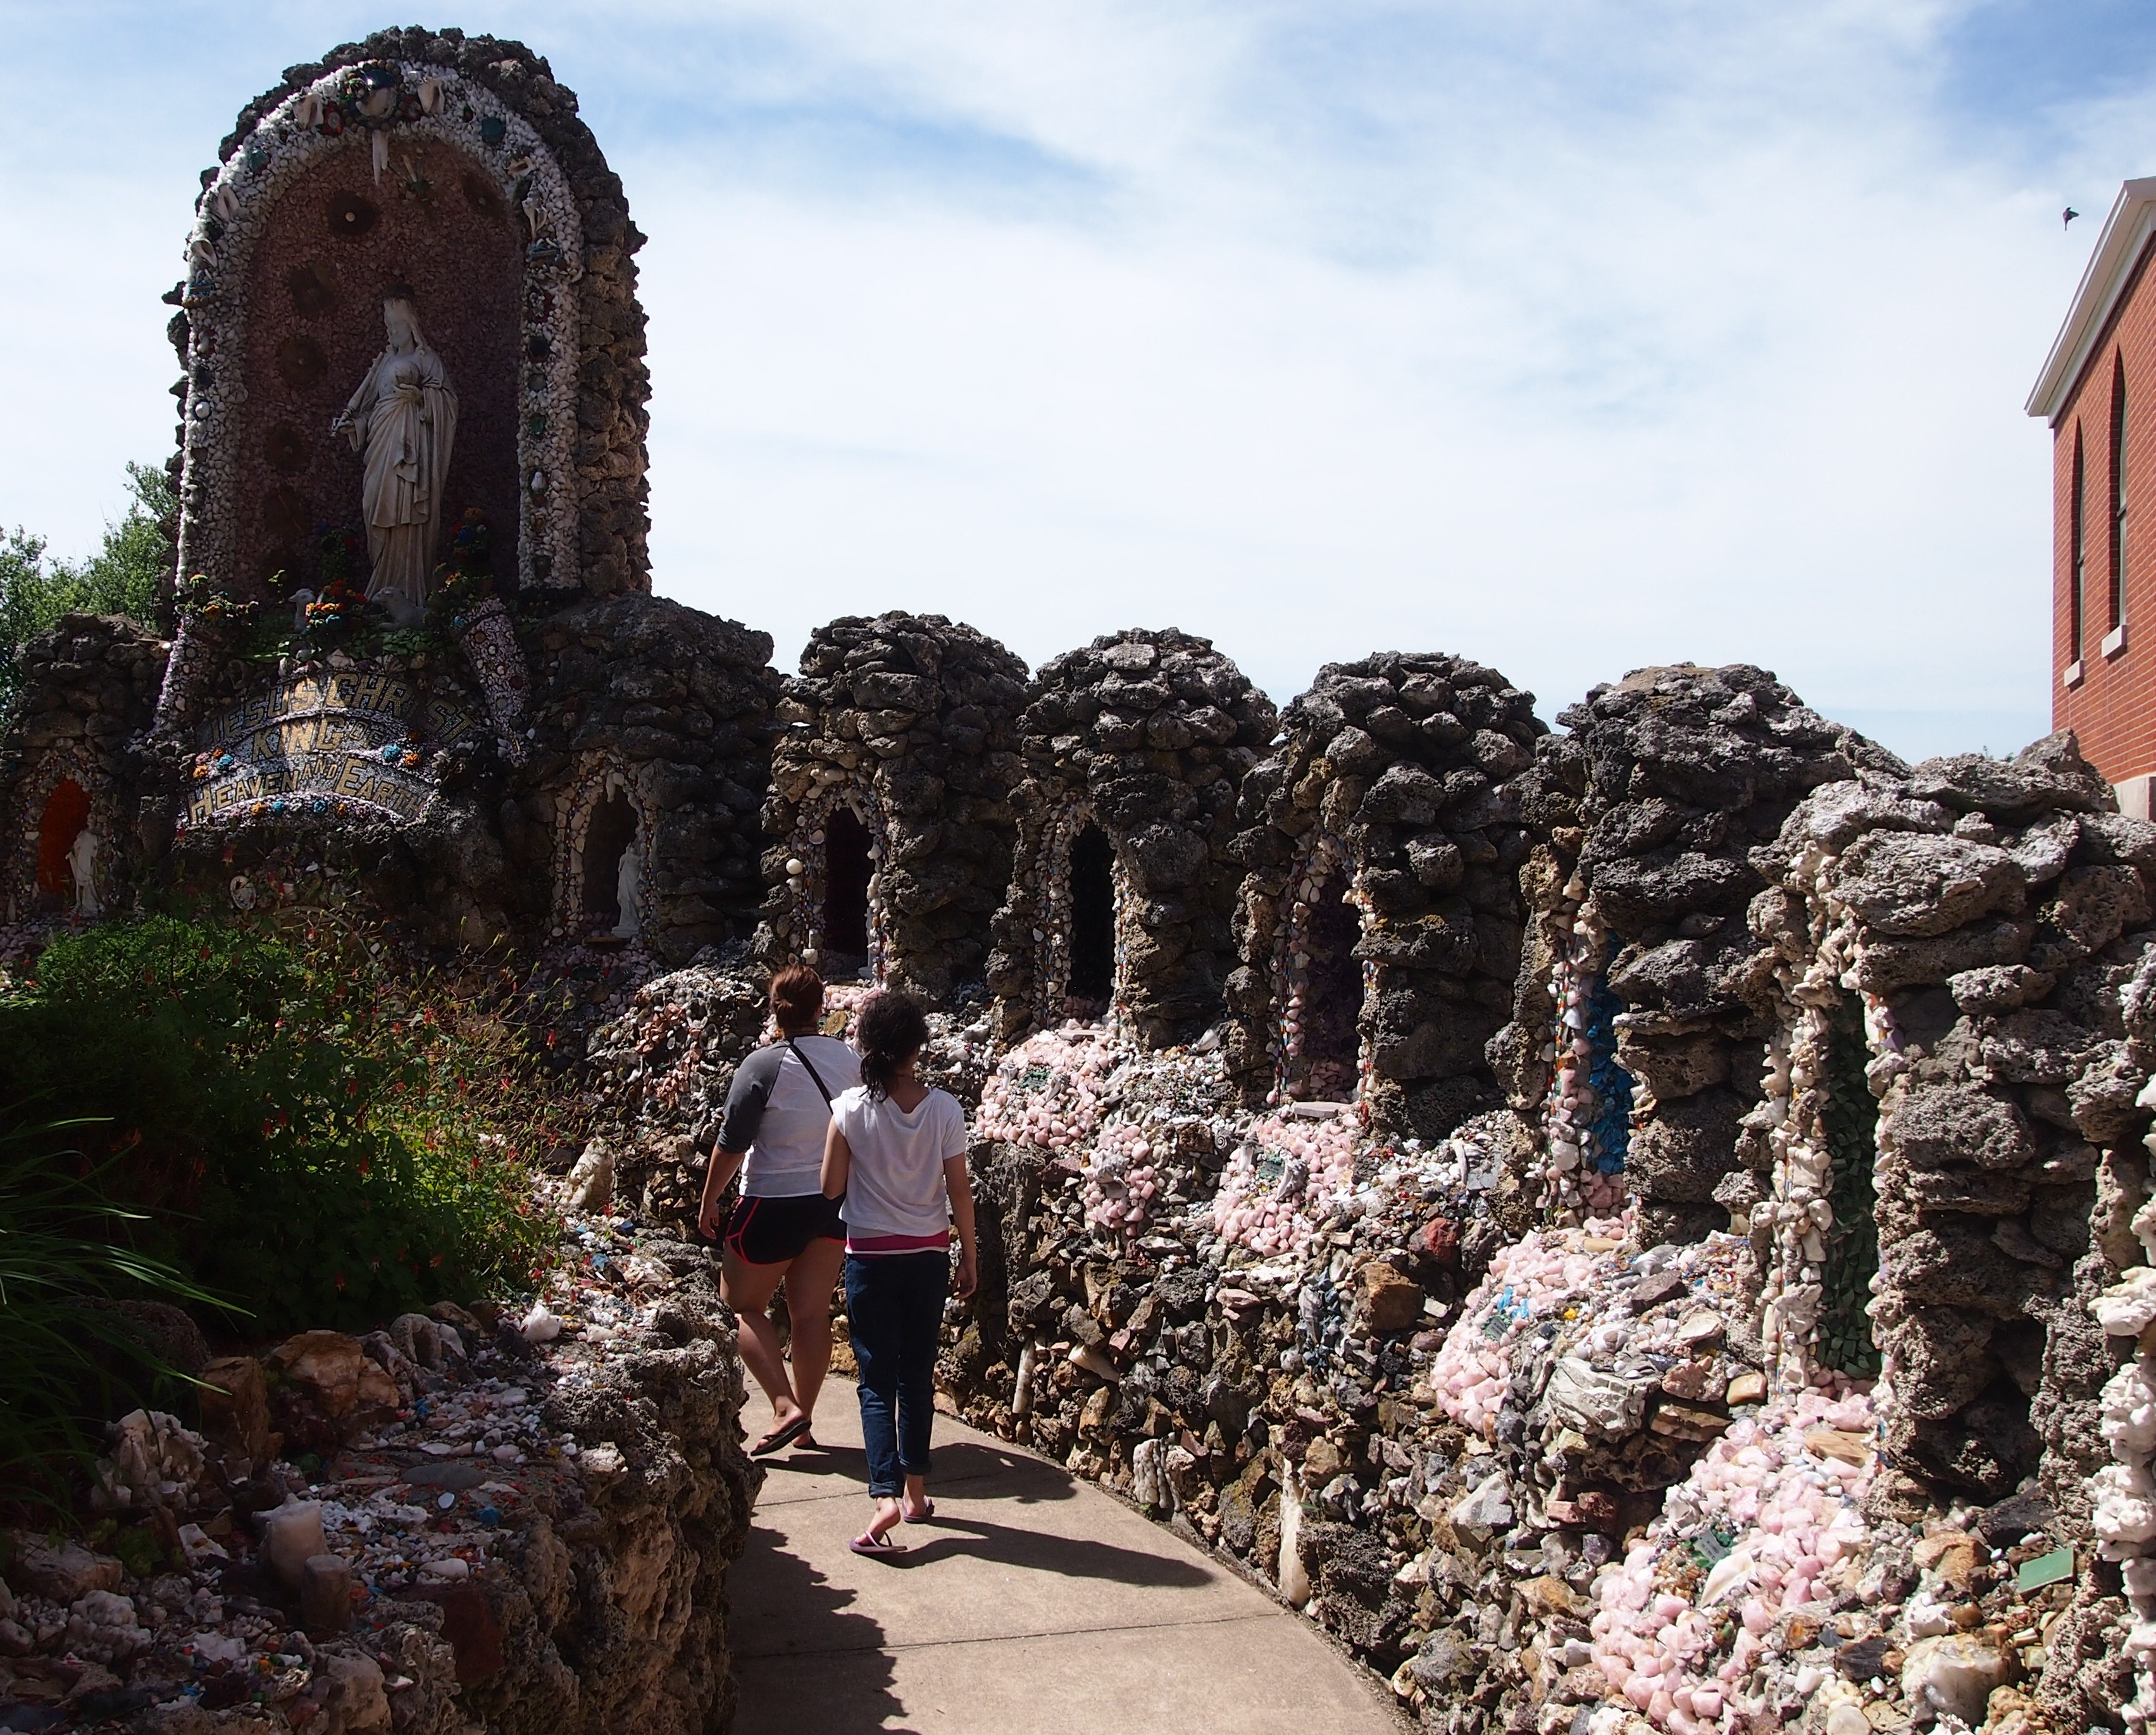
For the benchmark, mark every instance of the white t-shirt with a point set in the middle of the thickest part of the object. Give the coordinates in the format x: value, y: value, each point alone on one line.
x: 776, y: 1114
x: 896, y: 1200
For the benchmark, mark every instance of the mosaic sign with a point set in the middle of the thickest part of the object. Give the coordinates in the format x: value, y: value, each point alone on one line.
x: 354, y: 743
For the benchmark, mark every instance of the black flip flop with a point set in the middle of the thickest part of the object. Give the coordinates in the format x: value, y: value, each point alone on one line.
x: 779, y: 1438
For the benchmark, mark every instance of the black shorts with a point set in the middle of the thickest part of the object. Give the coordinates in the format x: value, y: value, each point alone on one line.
x: 777, y: 1232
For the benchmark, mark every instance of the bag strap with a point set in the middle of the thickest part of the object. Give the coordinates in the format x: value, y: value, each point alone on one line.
x: 814, y: 1076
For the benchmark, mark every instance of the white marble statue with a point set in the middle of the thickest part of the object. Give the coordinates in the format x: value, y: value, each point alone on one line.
x: 627, y: 884
x: 403, y: 419
x: 82, y: 864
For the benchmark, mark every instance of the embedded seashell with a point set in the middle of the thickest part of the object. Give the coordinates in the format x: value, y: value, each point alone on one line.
x: 2128, y: 1306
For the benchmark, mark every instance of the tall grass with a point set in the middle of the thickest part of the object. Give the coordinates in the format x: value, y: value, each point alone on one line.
x: 65, y: 1245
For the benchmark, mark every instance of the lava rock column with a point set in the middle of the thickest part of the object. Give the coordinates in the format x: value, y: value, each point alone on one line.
x: 1396, y: 773
x: 1147, y: 735
x: 910, y: 723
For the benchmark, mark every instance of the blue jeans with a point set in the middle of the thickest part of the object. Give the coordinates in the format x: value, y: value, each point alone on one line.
x: 894, y: 1311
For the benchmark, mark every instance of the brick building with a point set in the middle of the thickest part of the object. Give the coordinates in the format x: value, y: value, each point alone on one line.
x: 2099, y: 392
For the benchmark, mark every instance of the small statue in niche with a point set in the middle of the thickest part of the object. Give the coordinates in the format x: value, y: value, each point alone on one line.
x: 627, y: 885
x: 82, y: 864
x: 403, y: 419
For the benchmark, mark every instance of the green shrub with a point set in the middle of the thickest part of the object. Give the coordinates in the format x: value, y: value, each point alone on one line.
x: 327, y: 1140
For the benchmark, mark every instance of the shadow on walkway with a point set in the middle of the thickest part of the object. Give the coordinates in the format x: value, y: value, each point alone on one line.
x: 1066, y: 1557
x: 962, y: 1461
x: 818, y: 1622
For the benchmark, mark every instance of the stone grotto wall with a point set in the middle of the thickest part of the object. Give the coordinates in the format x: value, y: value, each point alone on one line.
x: 465, y: 1521
x: 1146, y: 735
x: 642, y: 701
x: 88, y: 688
x: 1990, y: 920
x: 1646, y: 1000
x: 909, y: 724
x: 1393, y: 780
x: 457, y: 165
x: 1877, y: 1452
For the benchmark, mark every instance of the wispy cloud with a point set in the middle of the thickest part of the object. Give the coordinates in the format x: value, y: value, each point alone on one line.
x: 1573, y: 336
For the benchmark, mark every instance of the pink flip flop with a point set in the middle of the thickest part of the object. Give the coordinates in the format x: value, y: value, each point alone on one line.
x: 869, y: 1543
x: 926, y: 1515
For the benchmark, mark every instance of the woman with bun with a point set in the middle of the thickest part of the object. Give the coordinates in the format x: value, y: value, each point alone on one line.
x: 897, y: 1155
x: 783, y: 1230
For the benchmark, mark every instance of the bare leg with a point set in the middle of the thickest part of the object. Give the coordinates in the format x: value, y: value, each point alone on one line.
x: 809, y: 1280
x: 747, y: 1290
x: 887, y: 1515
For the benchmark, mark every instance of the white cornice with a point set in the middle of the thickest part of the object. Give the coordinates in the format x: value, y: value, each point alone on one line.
x: 2125, y: 232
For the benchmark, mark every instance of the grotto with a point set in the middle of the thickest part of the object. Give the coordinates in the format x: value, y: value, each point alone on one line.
x: 1121, y: 891
x: 1640, y: 1224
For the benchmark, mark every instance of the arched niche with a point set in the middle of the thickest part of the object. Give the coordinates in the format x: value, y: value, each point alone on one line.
x: 1079, y: 904
x: 450, y: 192
x: 1587, y: 1120
x: 1092, y: 978
x: 606, y: 815
x: 1849, y: 1128
x: 62, y: 822
x: 833, y: 882
x: 1319, y: 985
x: 333, y: 243
x: 842, y: 935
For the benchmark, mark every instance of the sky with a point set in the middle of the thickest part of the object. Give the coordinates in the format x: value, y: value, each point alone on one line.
x: 1572, y: 337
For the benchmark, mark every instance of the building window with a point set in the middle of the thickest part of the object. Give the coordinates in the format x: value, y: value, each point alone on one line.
x: 2077, y: 556
x: 2118, y: 613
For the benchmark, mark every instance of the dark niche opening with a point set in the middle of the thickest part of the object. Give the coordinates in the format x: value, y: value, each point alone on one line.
x: 846, y: 869
x: 1603, y: 1116
x: 67, y: 812
x: 1850, y: 1118
x: 1092, y: 921
x: 1332, y: 994
x: 607, y: 839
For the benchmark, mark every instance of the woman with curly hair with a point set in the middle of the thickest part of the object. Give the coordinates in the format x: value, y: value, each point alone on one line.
x: 896, y: 1156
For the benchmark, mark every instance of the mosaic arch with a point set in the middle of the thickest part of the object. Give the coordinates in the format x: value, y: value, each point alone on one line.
x: 386, y: 171
x: 42, y: 878
x: 602, y: 782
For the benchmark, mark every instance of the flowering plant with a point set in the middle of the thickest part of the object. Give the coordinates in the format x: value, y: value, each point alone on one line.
x: 199, y: 597
x: 466, y: 579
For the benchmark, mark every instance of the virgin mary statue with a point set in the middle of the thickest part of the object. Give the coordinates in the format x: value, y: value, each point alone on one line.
x: 403, y: 420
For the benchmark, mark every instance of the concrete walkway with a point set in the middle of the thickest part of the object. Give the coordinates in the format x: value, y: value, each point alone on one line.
x: 1033, y: 1601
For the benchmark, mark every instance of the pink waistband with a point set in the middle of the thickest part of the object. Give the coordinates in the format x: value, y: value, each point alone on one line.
x: 897, y: 1243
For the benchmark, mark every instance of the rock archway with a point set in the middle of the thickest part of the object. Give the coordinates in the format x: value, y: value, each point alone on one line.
x: 1144, y: 736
